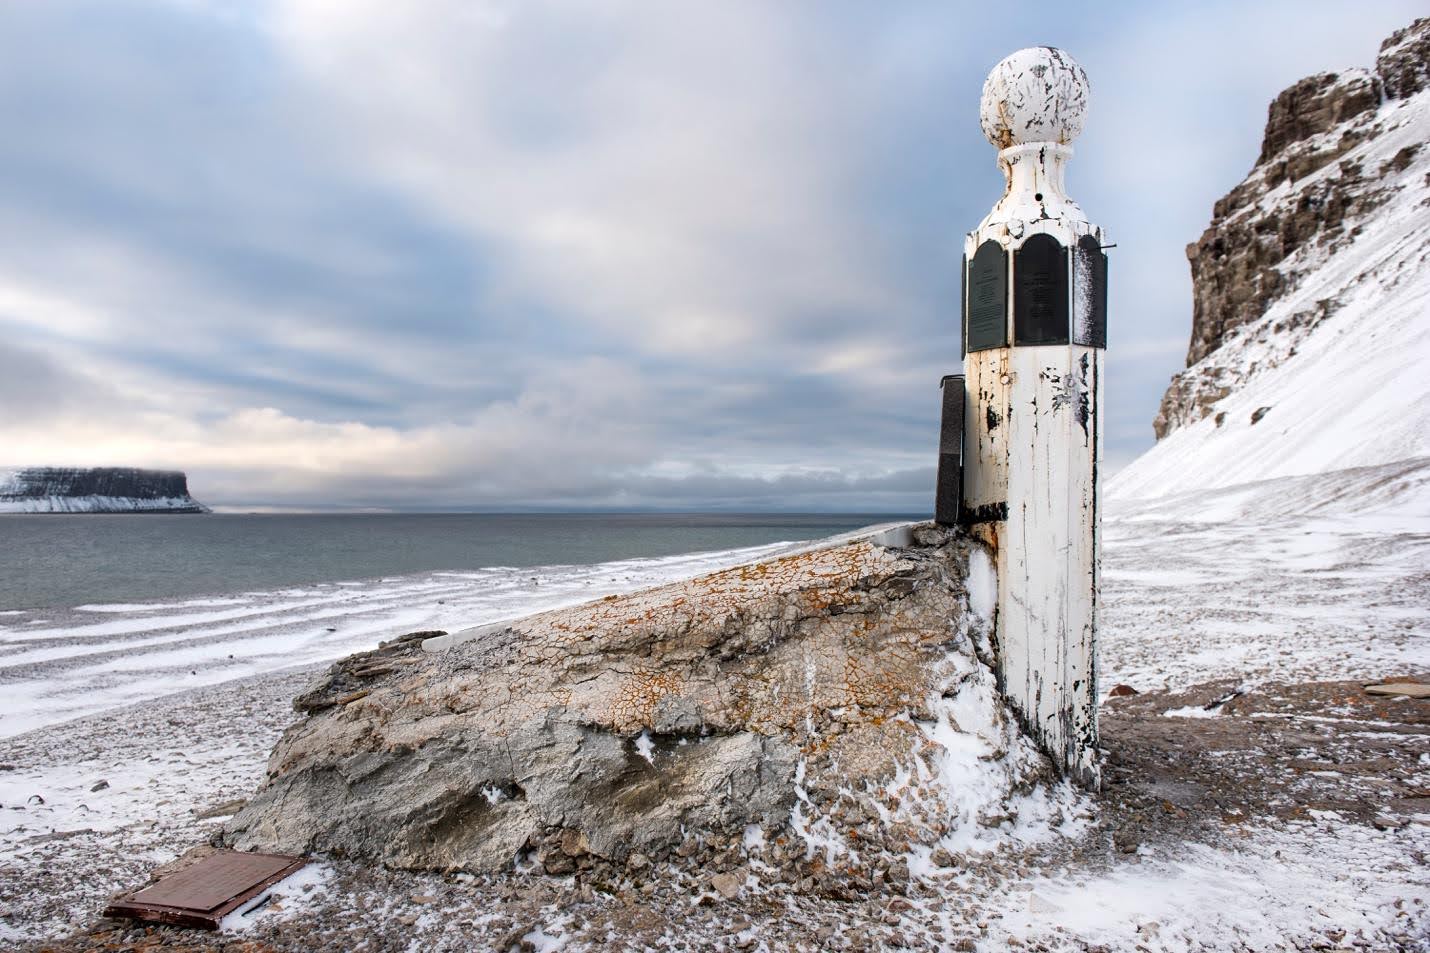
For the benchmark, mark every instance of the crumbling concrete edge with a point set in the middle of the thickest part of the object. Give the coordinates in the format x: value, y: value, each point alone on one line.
x: 887, y: 535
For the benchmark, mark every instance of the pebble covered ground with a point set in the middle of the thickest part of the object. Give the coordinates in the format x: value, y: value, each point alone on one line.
x: 1275, y: 805
x: 1296, y: 766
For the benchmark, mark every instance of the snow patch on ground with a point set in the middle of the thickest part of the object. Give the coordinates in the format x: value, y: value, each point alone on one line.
x: 1321, y: 883
x: 294, y: 895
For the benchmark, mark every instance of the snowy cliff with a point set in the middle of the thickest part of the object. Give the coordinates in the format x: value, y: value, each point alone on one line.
x: 1309, y: 344
x: 95, y: 490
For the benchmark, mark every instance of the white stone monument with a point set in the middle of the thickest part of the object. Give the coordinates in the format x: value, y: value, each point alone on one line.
x: 1034, y: 336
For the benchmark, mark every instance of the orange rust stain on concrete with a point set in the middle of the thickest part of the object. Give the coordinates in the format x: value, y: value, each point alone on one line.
x: 633, y: 703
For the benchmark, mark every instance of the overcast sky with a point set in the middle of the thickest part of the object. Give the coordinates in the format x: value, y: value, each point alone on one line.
x: 608, y: 254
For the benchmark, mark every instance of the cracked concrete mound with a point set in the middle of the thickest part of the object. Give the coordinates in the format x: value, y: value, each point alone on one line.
x: 831, y: 707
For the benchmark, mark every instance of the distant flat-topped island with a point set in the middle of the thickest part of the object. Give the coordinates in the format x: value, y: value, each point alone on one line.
x: 95, y: 490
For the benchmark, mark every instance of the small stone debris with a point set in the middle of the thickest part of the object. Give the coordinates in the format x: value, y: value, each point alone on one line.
x: 99, y: 785
x: 58, y: 836
x: 226, y: 809
x: 726, y: 885
x: 1122, y: 691
x: 1258, y: 413
x: 1400, y: 689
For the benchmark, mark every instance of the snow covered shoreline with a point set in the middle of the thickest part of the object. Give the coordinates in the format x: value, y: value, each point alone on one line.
x: 1189, y: 602
x: 102, y: 504
x: 64, y: 664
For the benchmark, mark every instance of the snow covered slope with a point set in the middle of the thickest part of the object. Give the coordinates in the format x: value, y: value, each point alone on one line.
x: 95, y: 490
x: 1311, y: 343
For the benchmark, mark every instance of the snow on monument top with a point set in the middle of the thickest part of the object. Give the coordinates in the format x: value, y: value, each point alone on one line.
x: 1038, y: 94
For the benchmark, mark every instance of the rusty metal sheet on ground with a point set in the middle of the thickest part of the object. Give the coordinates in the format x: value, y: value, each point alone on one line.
x: 203, y: 893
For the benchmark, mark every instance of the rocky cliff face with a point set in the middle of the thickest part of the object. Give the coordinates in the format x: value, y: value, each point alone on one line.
x: 96, y: 490
x: 1334, y: 155
x: 830, y: 713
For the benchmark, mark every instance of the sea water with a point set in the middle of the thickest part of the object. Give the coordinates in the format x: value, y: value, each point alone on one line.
x: 51, y: 561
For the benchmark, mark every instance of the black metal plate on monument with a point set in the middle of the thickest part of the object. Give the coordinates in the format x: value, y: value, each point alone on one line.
x: 986, y: 299
x: 948, y: 497
x: 963, y: 308
x: 1089, y: 293
x: 1040, y: 292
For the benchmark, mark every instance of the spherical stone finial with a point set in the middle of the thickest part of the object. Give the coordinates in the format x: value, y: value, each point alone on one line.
x: 1034, y: 95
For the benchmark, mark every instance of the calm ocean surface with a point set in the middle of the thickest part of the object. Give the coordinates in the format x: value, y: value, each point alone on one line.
x: 58, y: 561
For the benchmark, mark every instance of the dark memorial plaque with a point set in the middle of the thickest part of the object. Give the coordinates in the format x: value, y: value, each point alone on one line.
x: 1089, y: 293
x: 948, y: 497
x: 986, y: 299
x: 1040, y: 292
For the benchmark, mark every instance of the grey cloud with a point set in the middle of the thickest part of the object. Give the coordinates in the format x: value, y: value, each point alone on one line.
x: 570, y: 255
x: 38, y: 387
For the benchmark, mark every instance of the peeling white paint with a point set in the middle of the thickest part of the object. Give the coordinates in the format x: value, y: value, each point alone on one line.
x: 1033, y: 427
x: 1036, y: 95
